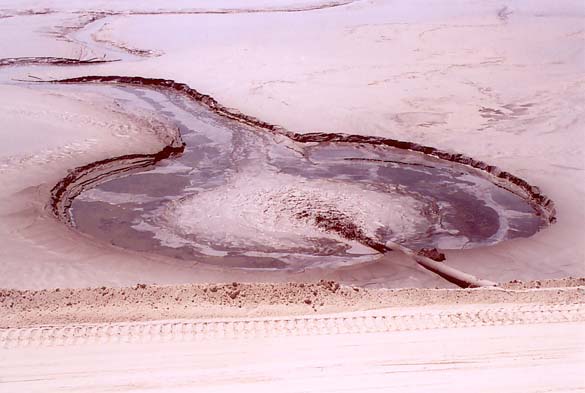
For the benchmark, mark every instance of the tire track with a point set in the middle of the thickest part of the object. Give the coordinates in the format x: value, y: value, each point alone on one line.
x: 358, y: 323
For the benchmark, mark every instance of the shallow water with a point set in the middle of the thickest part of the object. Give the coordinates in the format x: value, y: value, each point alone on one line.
x: 240, y: 196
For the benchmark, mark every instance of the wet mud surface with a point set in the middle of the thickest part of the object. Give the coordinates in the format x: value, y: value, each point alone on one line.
x: 237, y: 195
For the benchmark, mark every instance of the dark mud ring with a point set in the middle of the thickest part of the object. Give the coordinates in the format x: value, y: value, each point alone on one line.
x: 84, y: 177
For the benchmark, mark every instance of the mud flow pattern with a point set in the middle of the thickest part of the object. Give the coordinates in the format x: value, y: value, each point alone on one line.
x: 243, y: 197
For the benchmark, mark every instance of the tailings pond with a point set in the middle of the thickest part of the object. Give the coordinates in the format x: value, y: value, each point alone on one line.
x: 244, y: 197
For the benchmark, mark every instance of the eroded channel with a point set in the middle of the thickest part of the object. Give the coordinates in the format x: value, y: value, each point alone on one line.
x: 240, y: 196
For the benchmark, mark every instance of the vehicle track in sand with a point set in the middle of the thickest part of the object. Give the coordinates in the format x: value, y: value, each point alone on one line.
x: 377, y: 321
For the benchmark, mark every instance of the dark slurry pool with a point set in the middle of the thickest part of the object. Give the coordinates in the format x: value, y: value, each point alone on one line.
x: 240, y: 196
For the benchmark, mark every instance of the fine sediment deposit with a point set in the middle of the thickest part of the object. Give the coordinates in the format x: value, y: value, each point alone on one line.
x: 326, y: 213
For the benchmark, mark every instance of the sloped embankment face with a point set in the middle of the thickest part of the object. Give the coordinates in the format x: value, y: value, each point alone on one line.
x: 246, y: 193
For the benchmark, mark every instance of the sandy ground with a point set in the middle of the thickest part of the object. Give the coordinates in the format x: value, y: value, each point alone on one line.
x: 499, y: 83
x: 494, y: 359
x: 512, y: 348
x: 260, y: 338
x: 470, y: 79
x: 147, y: 302
x: 501, y: 358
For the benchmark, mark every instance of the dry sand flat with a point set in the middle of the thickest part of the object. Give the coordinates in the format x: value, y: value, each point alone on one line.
x: 507, y: 347
x: 515, y: 340
x: 519, y: 359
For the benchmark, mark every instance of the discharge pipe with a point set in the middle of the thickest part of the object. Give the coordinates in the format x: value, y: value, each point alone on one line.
x: 457, y: 277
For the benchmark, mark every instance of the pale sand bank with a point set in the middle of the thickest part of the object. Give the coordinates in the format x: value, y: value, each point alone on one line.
x: 501, y: 358
x: 513, y: 341
x: 147, y: 302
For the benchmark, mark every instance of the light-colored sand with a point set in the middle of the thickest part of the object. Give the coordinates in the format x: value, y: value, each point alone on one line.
x: 499, y: 83
x: 44, y: 134
x: 513, y: 348
x: 471, y: 79
x: 147, y: 303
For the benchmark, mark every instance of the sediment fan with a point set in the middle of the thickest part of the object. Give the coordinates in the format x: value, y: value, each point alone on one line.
x: 322, y: 213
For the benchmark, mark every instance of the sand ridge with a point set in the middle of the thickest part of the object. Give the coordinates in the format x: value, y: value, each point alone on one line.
x: 151, y: 302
